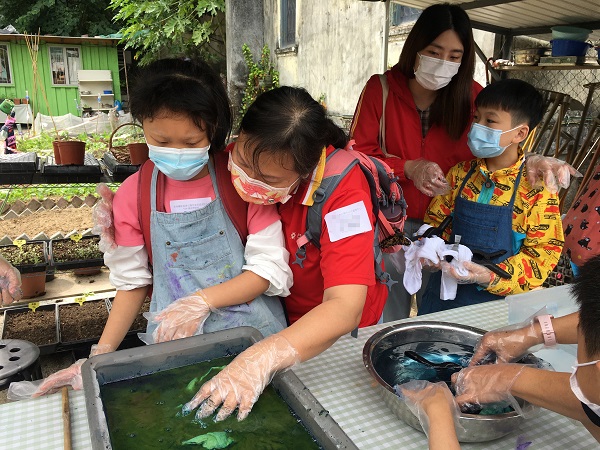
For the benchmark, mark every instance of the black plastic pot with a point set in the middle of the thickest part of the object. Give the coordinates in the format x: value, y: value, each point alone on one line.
x: 76, y: 264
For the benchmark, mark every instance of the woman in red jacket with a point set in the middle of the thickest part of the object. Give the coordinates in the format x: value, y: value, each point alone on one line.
x: 428, y: 110
x: 416, y: 117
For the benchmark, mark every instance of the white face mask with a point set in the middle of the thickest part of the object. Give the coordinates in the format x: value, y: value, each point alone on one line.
x: 434, y: 73
x: 577, y: 390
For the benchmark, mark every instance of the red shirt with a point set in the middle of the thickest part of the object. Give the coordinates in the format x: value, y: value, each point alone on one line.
x: 346, y: 261
x: 403, y: 134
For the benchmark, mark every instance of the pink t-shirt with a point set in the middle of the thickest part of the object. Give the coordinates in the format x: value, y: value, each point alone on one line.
x: 128, y: 232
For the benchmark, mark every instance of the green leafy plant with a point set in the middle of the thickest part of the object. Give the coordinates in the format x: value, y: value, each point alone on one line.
x: 26, y: 254
x: 156, y: 28
x: 262, y: 77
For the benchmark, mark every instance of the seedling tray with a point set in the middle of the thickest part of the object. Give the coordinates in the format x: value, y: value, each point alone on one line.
x: 18, y: 168
x: 31, y: 329
x: 82, y: 325
x: 89, y: 172
x: 119, y: 171
x: 75, y: 264
x: 31, y: 268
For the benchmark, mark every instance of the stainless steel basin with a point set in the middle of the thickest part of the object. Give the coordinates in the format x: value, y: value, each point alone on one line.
x: 477, y: 428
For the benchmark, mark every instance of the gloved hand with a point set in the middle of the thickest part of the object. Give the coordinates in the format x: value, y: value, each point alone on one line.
x: 554, y: 172
x: 508, y: 343
x: 71, y: 376
x: 102, y: 215
x: 469, y: 273
x: 243, y: 380
x: 422, y: 397
x: 486, y: 384
x: 427, y: 177
x: 182, y: 318
x: 10, y: 283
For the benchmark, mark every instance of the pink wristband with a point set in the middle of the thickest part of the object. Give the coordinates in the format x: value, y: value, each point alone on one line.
x: 547, y: 329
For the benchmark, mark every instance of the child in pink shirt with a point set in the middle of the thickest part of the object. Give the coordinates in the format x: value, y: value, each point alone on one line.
x: 202, y: 275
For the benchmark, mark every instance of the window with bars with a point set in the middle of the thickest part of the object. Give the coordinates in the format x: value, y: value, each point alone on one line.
x: 5, y: 74
x: 288, y: 23
x: 64, y: 64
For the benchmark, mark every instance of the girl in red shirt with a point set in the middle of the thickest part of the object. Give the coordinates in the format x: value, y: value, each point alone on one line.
x: 280, y: 156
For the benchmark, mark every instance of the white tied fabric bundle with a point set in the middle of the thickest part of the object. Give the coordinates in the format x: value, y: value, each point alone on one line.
x: 434, y: 249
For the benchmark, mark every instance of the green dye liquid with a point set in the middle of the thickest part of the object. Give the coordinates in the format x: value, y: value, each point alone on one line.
x: 144, y: 413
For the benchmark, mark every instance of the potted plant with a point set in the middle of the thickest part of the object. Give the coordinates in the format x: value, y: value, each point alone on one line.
x: 31, y: 260
x: 79, y: 253
x: 262, y: 77
x: 71, y: 151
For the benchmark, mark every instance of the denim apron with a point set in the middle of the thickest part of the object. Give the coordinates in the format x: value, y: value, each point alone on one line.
x: 483, y: 227
x: 198, y: 249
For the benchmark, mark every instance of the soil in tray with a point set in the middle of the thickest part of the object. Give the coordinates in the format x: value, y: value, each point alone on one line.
x: 70, y: 250
x: 81, y: 323
x: 37, y: 326
x: 144, y: 412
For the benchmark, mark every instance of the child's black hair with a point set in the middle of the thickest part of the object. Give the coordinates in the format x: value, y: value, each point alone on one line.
x: 287, y: 120
x: 586, y: 293
x: 187, y: 87
x: 518, y: 98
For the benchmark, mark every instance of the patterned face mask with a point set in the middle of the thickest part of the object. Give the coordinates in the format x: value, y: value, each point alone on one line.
x: 255, y: 191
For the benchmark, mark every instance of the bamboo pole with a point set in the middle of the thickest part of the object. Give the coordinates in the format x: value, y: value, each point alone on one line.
x: 34, y: 50
x: 66, y: 415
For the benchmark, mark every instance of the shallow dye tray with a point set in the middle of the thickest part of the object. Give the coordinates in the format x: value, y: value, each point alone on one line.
x: 137, y: 362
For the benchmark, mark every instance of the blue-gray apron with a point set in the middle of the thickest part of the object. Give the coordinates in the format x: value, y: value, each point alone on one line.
x: 483, y: 227
x: 198, y: 249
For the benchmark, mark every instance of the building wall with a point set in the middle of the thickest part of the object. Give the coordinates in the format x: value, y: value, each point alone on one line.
x: 339, y: 46
x: 60, y: 99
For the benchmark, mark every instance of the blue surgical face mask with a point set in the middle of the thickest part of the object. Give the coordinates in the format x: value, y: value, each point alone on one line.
x: 180, y: 164
x: 484, y: 142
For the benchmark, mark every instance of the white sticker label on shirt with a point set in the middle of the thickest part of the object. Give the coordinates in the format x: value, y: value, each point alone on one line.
x: 190, y: 204
x: 348, y: 221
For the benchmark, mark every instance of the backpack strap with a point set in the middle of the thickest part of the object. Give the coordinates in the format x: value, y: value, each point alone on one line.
x: 385, y: 91
x: 235, y: 207
x: 144, y: 199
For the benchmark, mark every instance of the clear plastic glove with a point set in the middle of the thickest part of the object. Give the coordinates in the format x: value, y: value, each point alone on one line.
x: 243, y: 380
x: 10, y: 283
x: 509, y: 343
x: 555, y: 173
x: 427, y: 177
x: 470, y: 273
x: 182, y: 318
x: 487, y: 384
x: 71, y: 376
x: 422, y: 397
x: 102, y: 215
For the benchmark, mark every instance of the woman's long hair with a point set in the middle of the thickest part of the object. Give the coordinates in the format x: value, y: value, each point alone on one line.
x: 452, y: 106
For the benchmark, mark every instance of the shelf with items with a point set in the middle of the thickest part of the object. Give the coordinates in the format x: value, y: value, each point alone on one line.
x: 94, y: 85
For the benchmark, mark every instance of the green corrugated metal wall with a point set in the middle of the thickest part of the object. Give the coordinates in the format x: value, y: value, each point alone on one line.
x: 61, y: 99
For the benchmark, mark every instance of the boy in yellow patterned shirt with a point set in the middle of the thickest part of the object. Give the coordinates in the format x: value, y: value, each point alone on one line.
x: 496, y: 212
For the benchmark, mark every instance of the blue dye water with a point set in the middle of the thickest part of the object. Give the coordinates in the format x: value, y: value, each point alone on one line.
x: 395, y: 368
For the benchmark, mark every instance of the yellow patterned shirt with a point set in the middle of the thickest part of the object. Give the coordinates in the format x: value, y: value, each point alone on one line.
x: 536, y: 221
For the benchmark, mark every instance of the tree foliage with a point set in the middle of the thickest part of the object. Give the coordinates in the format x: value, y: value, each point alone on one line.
x: 59, y: 17
x: 159, y: 28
